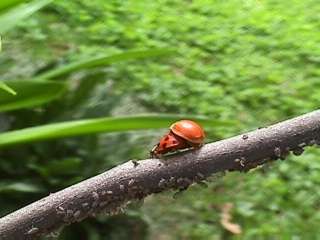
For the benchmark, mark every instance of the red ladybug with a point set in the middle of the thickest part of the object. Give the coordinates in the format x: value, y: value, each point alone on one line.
x: 183, y: 134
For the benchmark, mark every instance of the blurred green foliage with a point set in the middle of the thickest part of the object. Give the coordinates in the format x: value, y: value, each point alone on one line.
x: 256, y: 62
x: 11, y: 13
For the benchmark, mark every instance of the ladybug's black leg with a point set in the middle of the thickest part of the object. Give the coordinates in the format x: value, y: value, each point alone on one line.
x: 153, y: 151
x: 152, y: 154
x: 196, y: 146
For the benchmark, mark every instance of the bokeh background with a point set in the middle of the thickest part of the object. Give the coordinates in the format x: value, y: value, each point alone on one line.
x: 253, y: 62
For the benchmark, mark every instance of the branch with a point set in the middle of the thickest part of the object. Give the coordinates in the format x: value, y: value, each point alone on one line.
x: 111, y: 190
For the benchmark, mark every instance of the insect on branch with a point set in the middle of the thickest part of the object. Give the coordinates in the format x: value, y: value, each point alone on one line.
x: 110, y: 191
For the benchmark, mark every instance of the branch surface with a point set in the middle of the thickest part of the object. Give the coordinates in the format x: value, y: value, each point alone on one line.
x: 110, y: 191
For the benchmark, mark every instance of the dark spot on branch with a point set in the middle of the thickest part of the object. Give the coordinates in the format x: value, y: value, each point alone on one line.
x: 245, y: 136
x: 135, y: 163
x: 298, y: 151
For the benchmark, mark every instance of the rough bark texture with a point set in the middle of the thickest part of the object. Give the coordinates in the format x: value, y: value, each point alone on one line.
x: 111, y: 190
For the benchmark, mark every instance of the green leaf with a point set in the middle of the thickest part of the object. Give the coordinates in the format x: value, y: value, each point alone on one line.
x: 19, y: 187
x: 30, y: 93
x: 6, y: 88
x: 10, y: 18
x: 98, y: 125
x: 103, y: 61
x: 5, y: 4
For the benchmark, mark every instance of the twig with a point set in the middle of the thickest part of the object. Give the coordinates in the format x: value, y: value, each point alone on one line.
x: 110, y: 191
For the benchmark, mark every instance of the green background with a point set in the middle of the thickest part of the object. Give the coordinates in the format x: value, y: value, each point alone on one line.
x: 252, y: 62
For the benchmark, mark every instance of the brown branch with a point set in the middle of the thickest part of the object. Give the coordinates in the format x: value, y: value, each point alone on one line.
x: 110, y: 191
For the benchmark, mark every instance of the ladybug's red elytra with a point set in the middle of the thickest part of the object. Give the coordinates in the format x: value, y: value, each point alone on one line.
x: 183, y: 134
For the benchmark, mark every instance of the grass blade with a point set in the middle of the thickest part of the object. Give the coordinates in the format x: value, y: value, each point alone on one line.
x: 10, y: 18
x: 6, y: 88
x: 30, y: 93
x: 103, y: 61
x: 98, y: 125
x: 19, y: 187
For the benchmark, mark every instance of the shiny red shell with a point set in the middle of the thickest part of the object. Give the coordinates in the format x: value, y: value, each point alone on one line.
x: 189, y: 130
x: 183, y: 134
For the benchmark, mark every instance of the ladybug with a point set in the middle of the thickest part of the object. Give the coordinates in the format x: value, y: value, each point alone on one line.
x: 183, y: 134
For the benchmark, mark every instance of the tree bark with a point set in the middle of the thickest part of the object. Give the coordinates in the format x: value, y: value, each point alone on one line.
x: 110, y: 191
